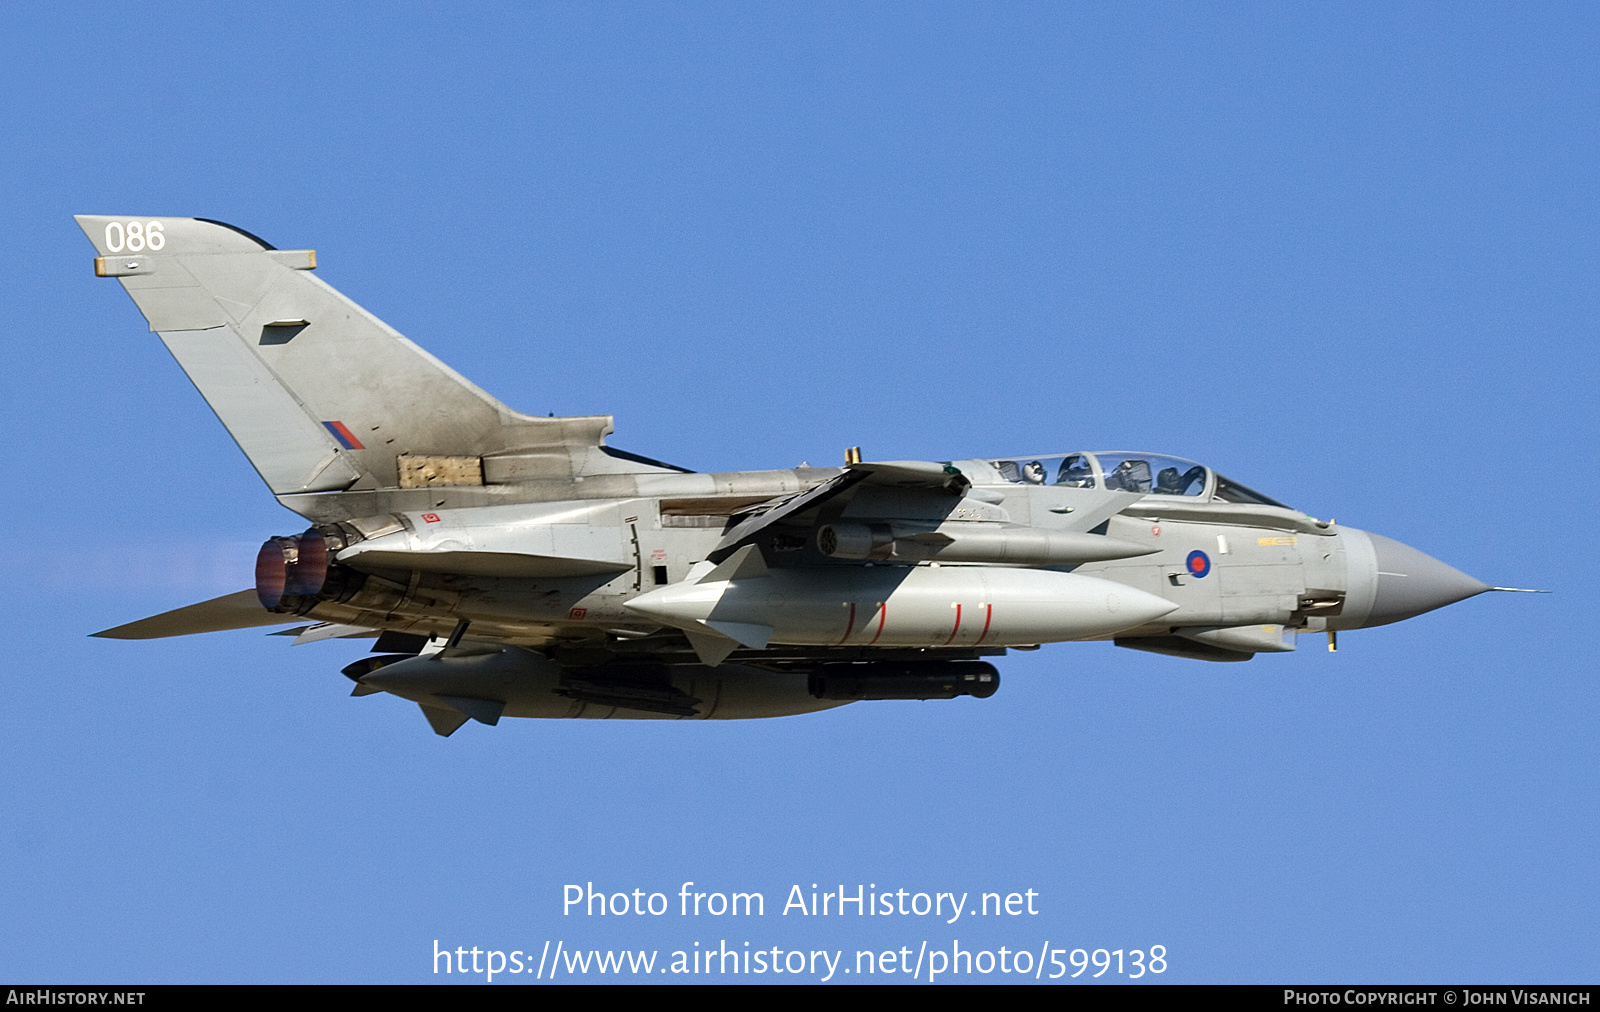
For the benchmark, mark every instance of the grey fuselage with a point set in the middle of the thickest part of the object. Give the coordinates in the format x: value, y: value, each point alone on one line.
x: 1269, y: 573
x: 510, y: 564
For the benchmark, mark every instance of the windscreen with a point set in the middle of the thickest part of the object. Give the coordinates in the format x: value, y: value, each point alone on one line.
x: 1231, y: 491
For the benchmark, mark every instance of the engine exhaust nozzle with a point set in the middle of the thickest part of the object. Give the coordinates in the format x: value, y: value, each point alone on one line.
x: 293, y: 566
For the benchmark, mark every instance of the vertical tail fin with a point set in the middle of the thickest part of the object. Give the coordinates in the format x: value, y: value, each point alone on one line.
x: 320, y: 394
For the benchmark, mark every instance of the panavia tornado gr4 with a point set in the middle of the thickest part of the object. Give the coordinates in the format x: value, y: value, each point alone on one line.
x: 511, y: 565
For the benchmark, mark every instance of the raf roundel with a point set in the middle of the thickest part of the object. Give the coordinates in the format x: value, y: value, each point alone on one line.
x: 1198, y: 563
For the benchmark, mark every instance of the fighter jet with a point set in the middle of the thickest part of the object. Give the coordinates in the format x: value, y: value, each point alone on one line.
x: 506, y: 564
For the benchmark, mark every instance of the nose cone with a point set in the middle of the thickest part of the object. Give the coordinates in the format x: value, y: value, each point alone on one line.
x: 1410, y: 583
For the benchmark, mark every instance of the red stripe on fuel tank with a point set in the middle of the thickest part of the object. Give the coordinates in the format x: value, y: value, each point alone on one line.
x: 850, y: 626
x: 883, y: 613
x: 988, y: 616
x: 956, y: 629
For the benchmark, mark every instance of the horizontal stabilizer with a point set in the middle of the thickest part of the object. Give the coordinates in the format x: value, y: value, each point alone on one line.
x: 234, y: 611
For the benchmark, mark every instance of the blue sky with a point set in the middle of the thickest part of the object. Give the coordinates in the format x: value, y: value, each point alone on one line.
x: 1345, y: 254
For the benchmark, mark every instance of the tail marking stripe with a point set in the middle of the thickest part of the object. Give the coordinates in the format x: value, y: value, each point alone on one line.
x: 346, y: 438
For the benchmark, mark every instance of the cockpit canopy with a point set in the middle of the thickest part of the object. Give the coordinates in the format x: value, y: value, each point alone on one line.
x: 1121, y: 471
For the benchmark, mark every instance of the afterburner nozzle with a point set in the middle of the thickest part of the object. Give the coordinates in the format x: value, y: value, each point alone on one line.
x: 293, y: 566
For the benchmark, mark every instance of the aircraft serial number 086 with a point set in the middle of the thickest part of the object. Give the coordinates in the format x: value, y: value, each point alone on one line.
x: 134, y: 236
